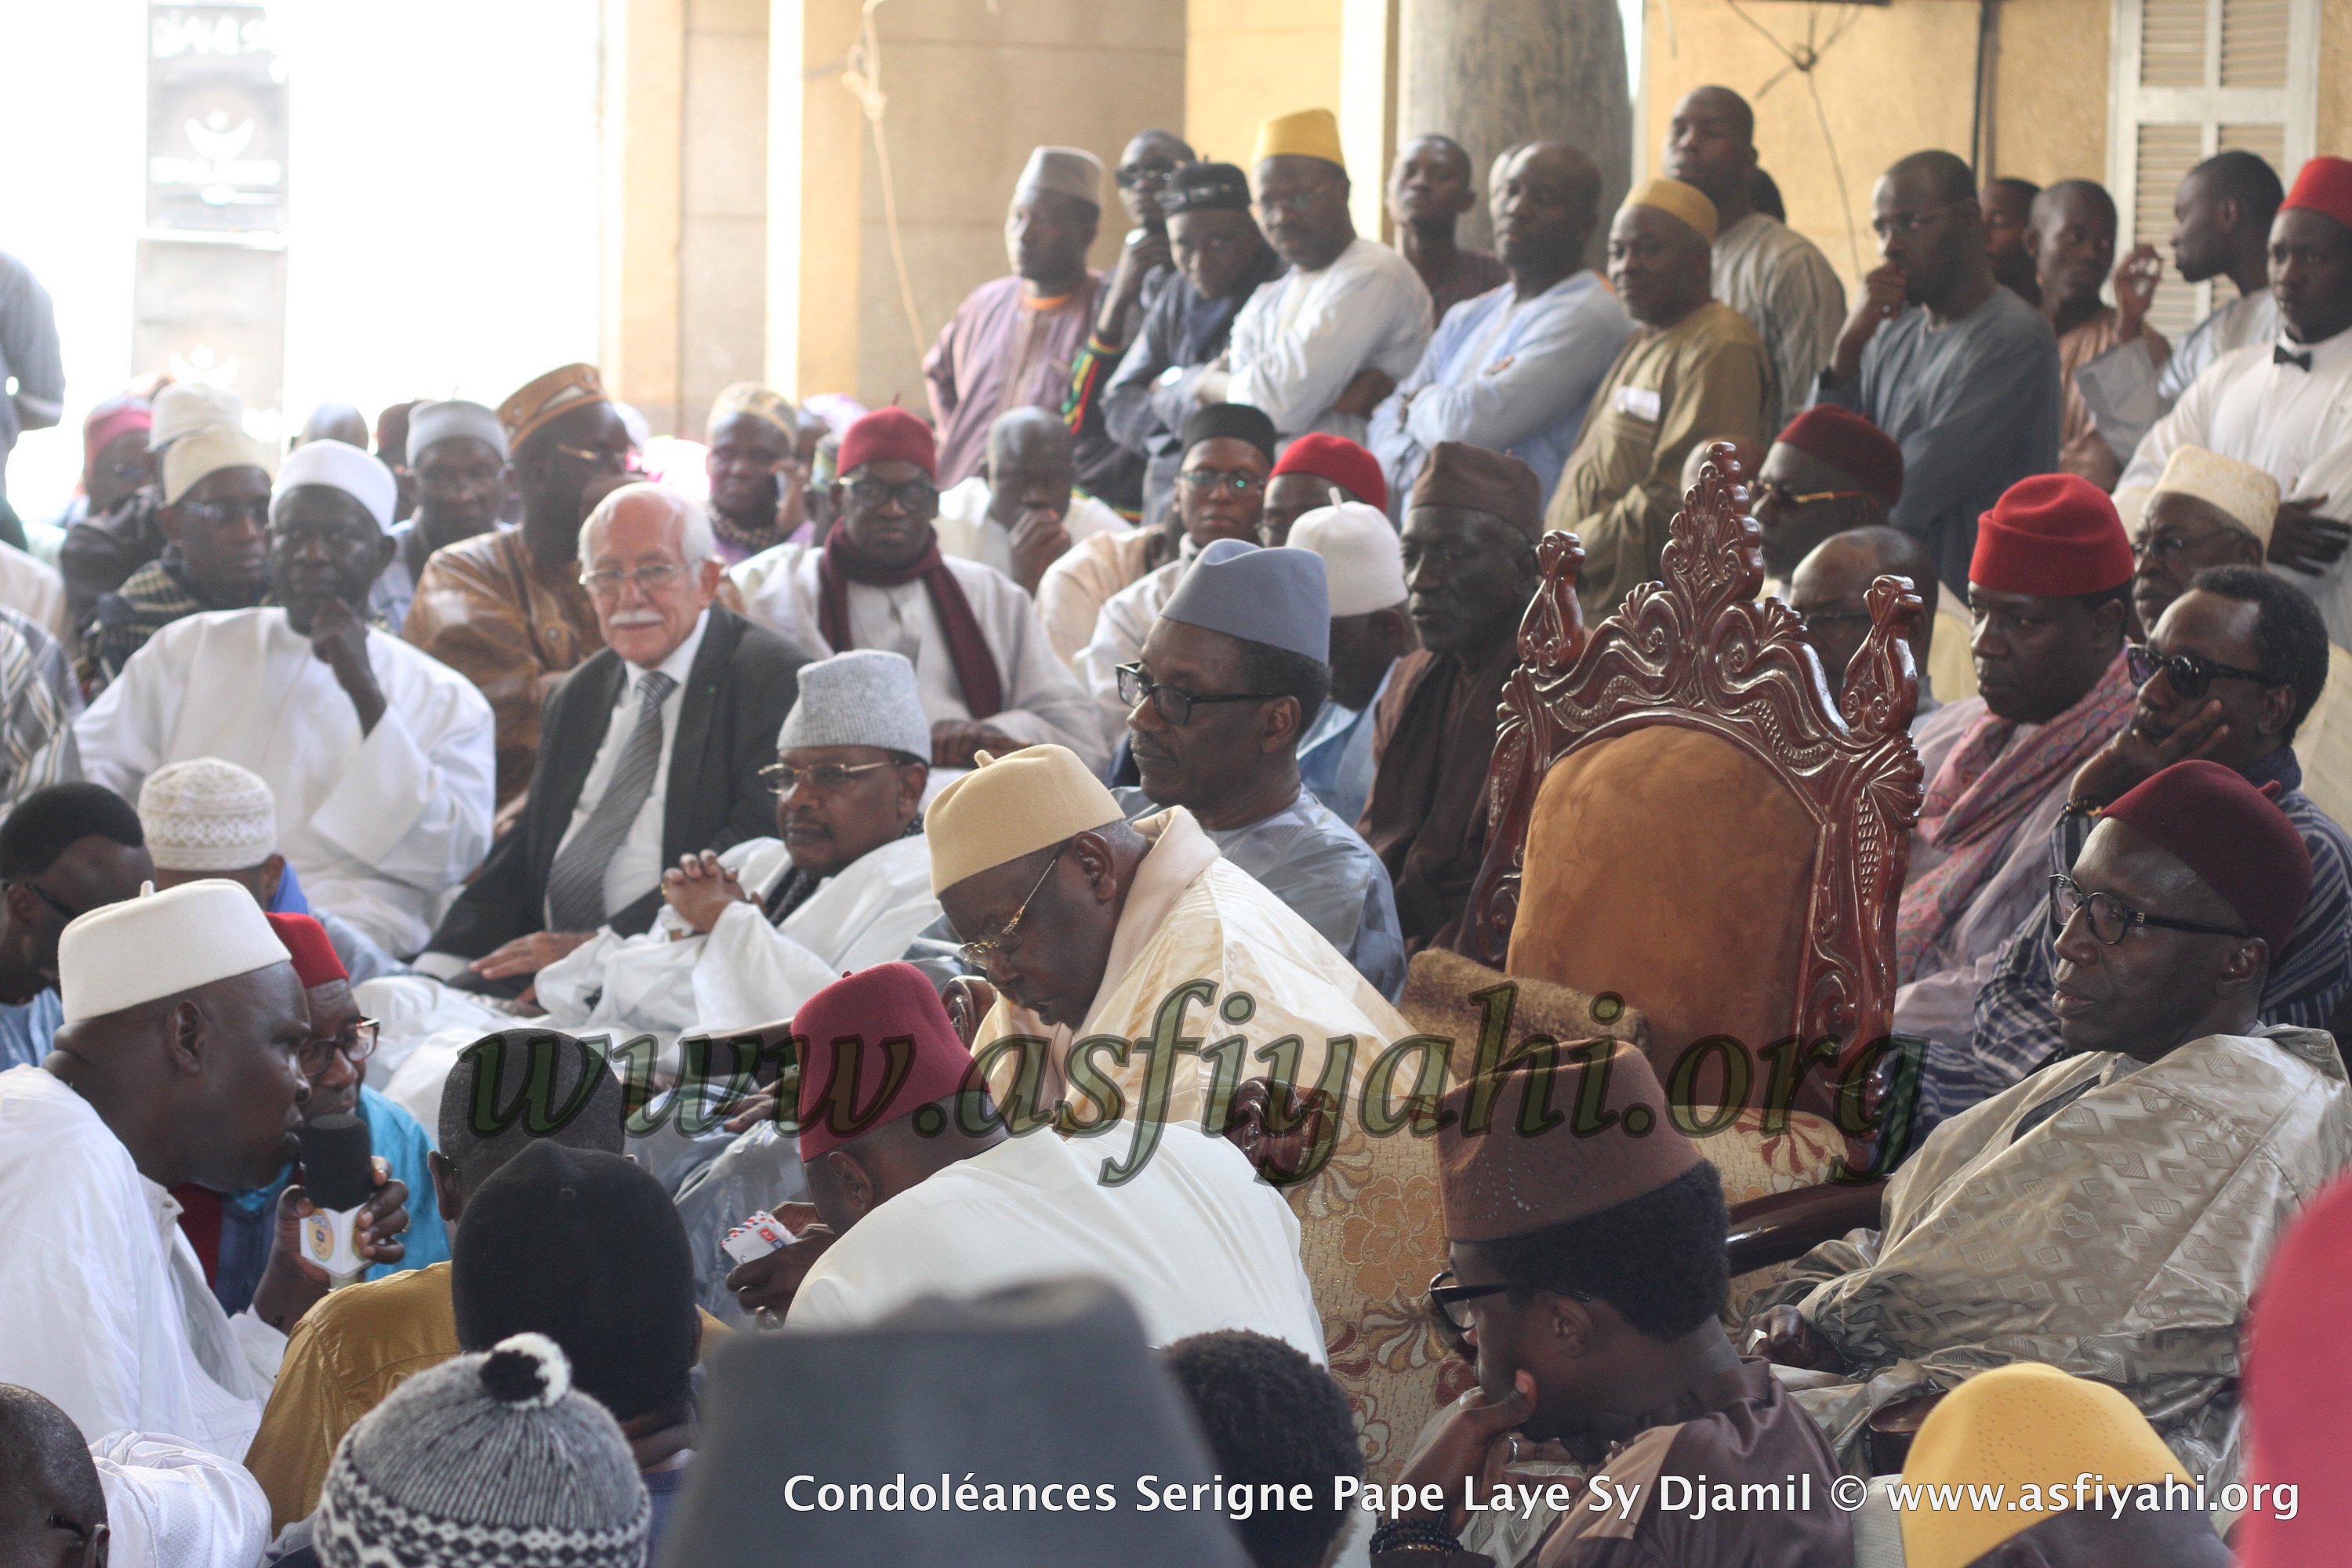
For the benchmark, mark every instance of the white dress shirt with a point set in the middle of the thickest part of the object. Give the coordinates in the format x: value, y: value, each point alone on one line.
x: 1302, y: 338
x: 635, y: 868
x: 1195, y: 1240
x: 1042, y: 700
x: 965, y: 531
x: 2295, y: 425
x: 104, y: 1306
x: 379, y: 825
x: 172, y: 1505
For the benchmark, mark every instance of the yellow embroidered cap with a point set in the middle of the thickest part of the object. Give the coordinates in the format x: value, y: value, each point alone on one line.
x: 761, y: 403
x: 2240, y: 491
x: 1012, y: 805
x: 1674, y: 197
x: 1309, y: 134
x: 551, y: 396
x: 2020, y: 1427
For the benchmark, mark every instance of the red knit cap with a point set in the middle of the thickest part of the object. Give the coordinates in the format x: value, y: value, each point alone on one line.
x: 2296, y: 1391
x: 315, y: 960
x: 2233, y: 836
x: 1851, y: 445
x: 888, y: 436
x: 883, y: 1032
x: 2053, y: 536
x: 2325, y: 185
x: 1340, y: 460
x: 1497, y: 1180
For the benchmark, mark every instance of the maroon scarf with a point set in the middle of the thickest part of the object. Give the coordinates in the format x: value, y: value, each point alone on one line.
x: 976, y: 665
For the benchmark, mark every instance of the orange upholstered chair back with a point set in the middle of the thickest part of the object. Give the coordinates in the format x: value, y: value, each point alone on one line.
x: 1682, y: 814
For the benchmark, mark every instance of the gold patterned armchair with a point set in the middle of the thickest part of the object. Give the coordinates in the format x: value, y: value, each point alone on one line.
x: 1682, y: 816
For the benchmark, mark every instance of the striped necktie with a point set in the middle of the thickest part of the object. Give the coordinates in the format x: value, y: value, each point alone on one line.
x: 575, y: 881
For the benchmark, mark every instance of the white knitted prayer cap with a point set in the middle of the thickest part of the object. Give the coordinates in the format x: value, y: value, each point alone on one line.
x: 162, y: 944
x: 1362, y: 562
x: 186, y: 408
x: 866, y: 697
x: 208, y: 451
x: 206, y: 815
x: 2240, y: 491
x: 345, y: 468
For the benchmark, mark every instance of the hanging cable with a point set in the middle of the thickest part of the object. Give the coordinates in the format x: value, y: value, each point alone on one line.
x: 1803, y: 59
x: 862, y: 76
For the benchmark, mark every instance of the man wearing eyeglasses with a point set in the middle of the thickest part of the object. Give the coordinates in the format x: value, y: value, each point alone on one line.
x: 1111, y: 470
x: 880, y: 580
x: 1320, y: 346
x: 1221, y: 259
x: 1585, y: 1276
x: 215, y: 518
x: 1235, y: 672
x: 2112, y: 1213
x: 232, y: 1231
x: 1229, y: 450
x: 652, y: 750
x: 379, y: 757
x: 505, y: 610
x: 1960, y: 371
x: 2230, y: 674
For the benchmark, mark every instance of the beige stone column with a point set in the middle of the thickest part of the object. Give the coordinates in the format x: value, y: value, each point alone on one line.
x: 817, y: 137
x: 1493, y: 73
x: 645, y: 79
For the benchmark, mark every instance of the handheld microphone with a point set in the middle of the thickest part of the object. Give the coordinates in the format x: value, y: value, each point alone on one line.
x: 338, y: 1175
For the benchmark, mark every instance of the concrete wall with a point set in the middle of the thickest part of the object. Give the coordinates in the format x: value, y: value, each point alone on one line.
x: 723, y: 205
x: 1247, y: 59
x: 969, y: 90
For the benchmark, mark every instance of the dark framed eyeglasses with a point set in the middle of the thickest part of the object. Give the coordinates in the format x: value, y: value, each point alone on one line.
x: 980, y: 953
x: 1445, y: 1304
x: 2192, y: 674
x: 62, y: 912
x: 1240, y: 482
x: 1144, y: 172
x: 2112, y: 920
x: 1173, y: 703
x: 825, y: 778
x: 355, y: 1042
x: 915, y: 495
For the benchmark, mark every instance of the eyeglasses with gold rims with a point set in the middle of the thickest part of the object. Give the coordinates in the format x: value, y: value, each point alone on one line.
x: 979, y: 954
x: 825, y: 778
x: 1784, y: 496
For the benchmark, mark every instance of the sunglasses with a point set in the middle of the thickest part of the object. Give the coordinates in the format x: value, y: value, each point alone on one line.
x: 2191, y: 675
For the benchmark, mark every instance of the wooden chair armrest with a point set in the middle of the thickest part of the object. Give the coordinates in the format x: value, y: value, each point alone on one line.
x: 1779, y: 1227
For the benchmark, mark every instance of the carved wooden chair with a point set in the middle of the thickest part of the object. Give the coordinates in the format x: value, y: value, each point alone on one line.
x: 1682, y: 814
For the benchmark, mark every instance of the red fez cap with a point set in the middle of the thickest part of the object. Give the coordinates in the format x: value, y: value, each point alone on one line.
x: 315, y: 960
x: 2233, y: 836
x: 2295, y: 1399
x: 1340, y: 460
x: 1497, y: 1181
x: 1851, y: 445
x: 2053, y: 536
x: 888, y: 436
x: 884, y: 1035
x: 2325, y: 185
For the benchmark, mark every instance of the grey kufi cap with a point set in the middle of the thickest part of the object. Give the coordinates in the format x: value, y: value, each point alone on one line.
x: 1067, y: 170
x: 866, y: 697
x: 487, y: 1461
x: 432, y: 422
x: 1277, y: 596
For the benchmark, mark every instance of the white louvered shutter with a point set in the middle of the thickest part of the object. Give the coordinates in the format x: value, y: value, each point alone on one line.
x: 2192, y: 78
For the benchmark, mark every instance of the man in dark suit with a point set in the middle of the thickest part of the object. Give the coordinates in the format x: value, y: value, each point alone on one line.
x: 650, y: 750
